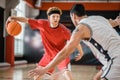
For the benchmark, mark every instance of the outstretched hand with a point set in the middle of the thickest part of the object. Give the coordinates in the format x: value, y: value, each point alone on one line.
x: 37, y: 72
x: 78, y: 57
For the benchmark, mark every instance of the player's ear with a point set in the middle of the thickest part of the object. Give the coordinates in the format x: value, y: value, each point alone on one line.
x: 75, y: 16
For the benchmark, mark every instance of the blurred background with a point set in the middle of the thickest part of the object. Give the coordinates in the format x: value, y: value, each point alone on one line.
x: 27, y: 46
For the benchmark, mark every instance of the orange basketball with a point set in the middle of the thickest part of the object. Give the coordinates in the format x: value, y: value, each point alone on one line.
x: 13, y: 28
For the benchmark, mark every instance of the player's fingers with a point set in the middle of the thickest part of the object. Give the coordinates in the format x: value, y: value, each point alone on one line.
x: 37, y: 77
x: 76, y: 58
x: 31, y: 73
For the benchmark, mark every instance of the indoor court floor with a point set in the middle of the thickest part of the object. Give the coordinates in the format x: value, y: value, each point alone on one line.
x: 19, y: 72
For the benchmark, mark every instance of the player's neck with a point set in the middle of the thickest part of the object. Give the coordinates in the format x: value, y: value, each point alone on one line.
x: 80, y: 18
x: 85, y: 16
x: 54, y: 25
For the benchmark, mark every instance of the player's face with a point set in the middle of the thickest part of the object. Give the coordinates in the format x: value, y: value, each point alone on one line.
x: 73, y: 18
x: 54, y: 20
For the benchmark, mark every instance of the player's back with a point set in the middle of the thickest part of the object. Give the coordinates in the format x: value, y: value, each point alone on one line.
x: 103, y: 33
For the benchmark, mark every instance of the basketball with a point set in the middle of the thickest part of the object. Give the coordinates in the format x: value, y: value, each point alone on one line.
x: 13, y: 28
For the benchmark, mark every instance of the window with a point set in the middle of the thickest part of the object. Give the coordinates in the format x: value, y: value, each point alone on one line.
x: 19, y: 11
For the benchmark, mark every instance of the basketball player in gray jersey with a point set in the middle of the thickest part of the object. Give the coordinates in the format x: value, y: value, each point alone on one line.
x: 101, y: 57
x: 99, y: 35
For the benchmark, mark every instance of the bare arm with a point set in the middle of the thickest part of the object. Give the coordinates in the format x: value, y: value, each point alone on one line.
x: 20, y: 19
x: 13, y: 18
x: 79, y: 56
x: 115, y: 22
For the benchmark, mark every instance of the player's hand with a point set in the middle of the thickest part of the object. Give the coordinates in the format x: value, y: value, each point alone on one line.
x: 78, y: 57
x: 98, y: 75
x: 117, y: 20
x: 37, y: 72
x: 9, y: 20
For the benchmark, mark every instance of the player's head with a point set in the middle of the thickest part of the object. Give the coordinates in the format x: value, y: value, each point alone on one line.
x: 76, y: 12
x: 54, y: 14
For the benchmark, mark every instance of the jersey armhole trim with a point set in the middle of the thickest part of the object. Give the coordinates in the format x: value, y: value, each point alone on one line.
x: 91, y: 32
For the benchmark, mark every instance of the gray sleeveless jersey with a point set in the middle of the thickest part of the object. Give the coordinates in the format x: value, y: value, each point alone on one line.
x: 104, y: 34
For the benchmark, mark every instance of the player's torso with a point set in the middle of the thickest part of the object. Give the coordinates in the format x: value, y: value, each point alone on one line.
x: 103, y: 33
x: 54, y: 39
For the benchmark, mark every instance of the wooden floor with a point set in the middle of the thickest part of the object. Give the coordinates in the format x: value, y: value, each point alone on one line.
x: 19, y: 72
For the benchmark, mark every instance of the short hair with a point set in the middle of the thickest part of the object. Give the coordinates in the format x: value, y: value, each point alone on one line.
x: 78, y: 9
x: 53, y: 10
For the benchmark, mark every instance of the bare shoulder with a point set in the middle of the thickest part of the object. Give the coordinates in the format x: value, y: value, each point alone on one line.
x: 83, y: 30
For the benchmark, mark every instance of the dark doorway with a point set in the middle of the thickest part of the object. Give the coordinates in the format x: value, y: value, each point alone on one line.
x: 1, y: 35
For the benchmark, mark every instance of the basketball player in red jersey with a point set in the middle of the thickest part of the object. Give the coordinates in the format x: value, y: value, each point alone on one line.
x: 54, y: 36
